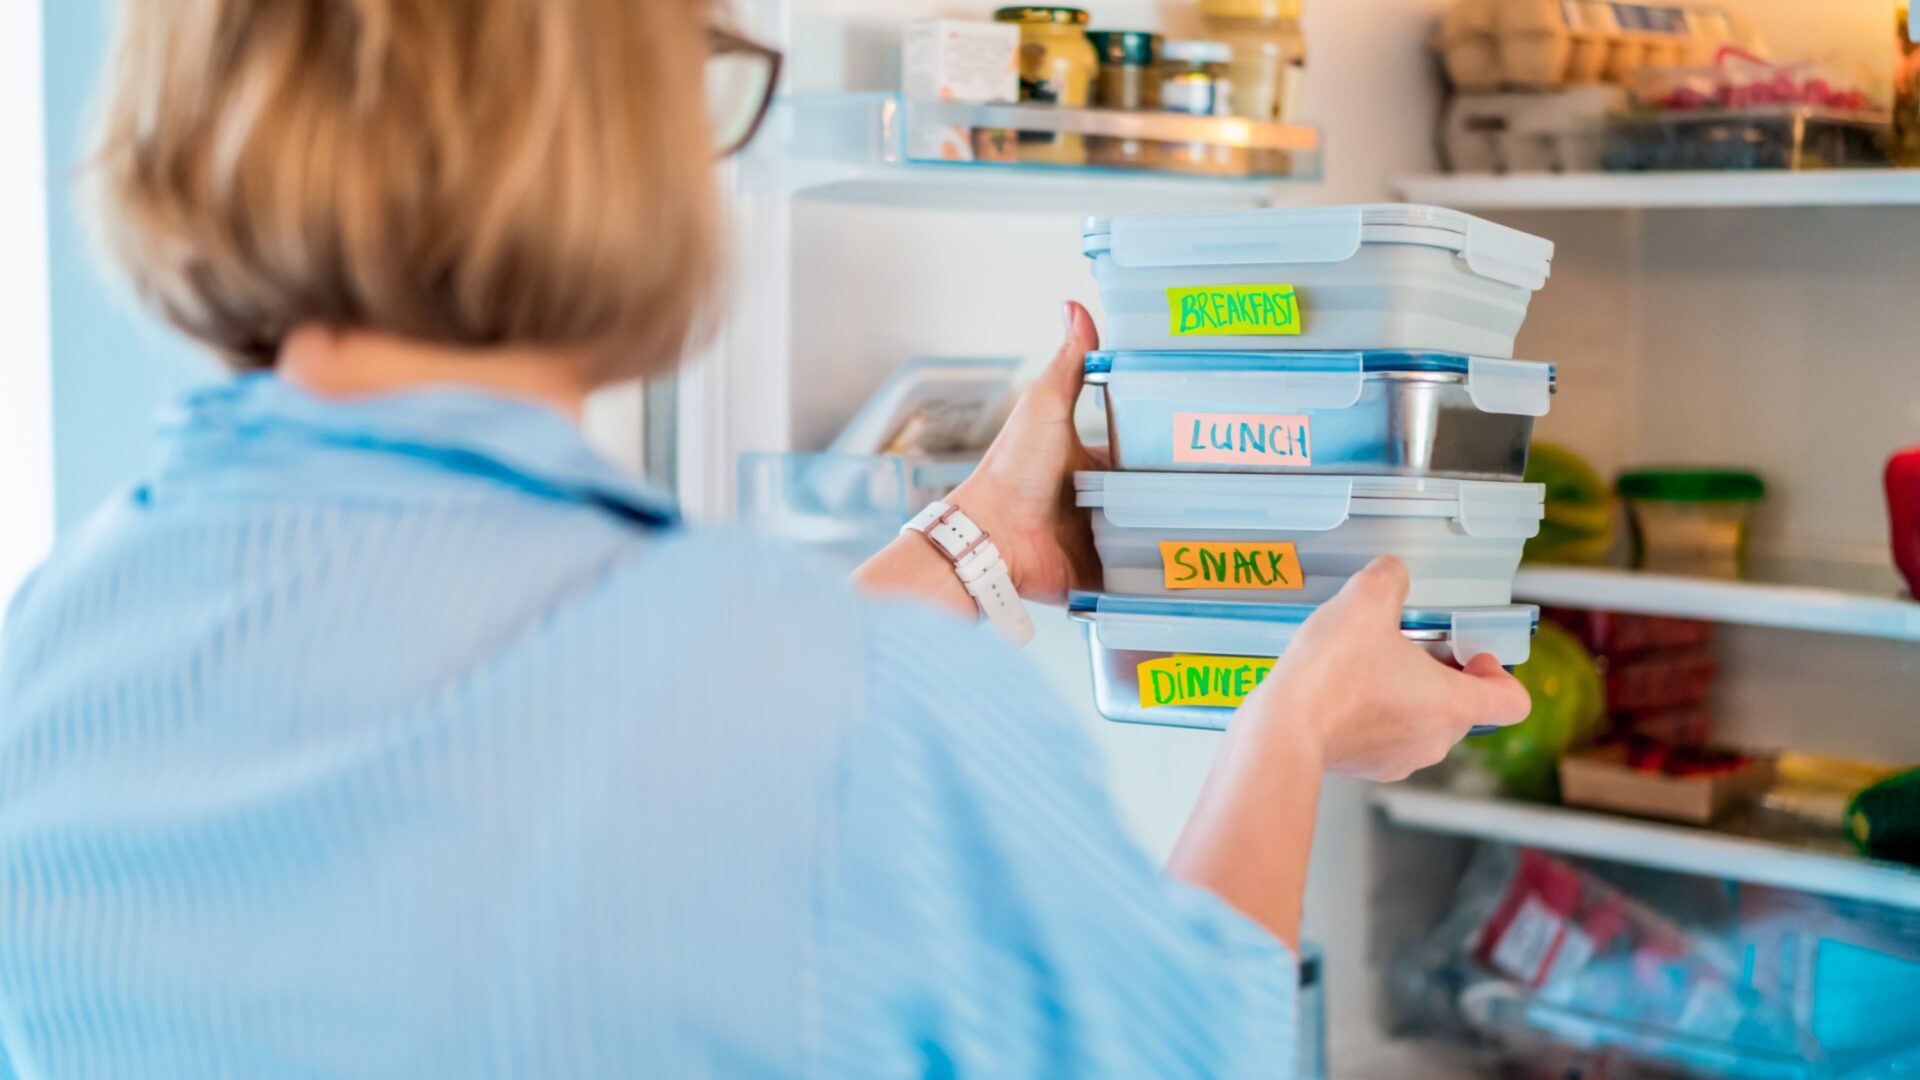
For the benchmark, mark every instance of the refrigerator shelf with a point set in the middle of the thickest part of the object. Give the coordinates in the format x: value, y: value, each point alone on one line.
x: 879, y: 148
x: 1825, y: 598
x: 1744, y: 849
x: 1674, y: 190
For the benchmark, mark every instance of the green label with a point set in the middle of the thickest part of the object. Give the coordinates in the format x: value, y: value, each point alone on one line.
x: 1233, y: 310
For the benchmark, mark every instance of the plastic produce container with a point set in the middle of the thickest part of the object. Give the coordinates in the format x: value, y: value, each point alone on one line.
x: 1180, y: 663
x: 1761, y: 137
x: 1390, y: 413
x: 1387, y: 276
x: 1296, y: 539
x: 1692, y: 521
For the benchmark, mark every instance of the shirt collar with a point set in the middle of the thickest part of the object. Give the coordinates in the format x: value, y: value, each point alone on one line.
x: 516, y: 442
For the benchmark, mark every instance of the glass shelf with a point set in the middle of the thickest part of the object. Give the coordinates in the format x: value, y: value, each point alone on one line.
x: 1834, y: 598
x: 1662, y: 191
x: 881, y: 147
x: 1759, y: 847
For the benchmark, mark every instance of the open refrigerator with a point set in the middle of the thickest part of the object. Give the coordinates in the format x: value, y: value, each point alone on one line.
x: 1761, y: 321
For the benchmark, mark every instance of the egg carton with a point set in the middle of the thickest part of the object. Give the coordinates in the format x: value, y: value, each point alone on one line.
x: 1561, y: 131
x: 1536, y: 45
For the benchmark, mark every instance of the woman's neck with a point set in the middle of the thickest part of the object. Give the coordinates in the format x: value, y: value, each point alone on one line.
x: 359, y: 363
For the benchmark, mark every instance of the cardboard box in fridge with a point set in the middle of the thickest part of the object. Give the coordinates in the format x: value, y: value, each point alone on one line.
x: 1602, y: 780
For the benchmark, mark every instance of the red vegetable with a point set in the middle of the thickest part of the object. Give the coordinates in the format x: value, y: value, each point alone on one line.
x: 1903, y: 509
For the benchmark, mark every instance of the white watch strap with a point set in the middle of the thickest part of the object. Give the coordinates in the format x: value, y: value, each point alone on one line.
x: 979, y: 565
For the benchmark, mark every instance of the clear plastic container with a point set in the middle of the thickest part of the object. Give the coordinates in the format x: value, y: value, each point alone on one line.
x: 1178, y: 663
x: 1695, y: 522
x: 1297, y: 539
x: 1760, y: 137
x: 1372, y: 413
x: 1386, y: 277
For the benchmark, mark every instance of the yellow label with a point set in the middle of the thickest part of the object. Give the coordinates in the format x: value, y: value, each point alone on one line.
x: 1196, y: 565
x: 1233, y: 311
x: 1180, y: 679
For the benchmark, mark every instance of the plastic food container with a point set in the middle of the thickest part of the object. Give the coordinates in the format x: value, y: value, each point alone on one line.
x: 1390, y: 276
x: 1297, y: 539
x: 1692, y: 521
x: 1761, y: 137
x: 1179, y: 663
x: 1389, y: 413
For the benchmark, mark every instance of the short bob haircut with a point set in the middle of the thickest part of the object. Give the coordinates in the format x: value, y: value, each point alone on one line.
x: 470, y: 173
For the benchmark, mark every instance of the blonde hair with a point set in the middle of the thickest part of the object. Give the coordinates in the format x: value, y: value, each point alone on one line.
x: 465, y: 172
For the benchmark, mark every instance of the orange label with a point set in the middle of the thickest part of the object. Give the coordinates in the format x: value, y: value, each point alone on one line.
x: 1243, y: 439
x: 1191, y: 564
x: 1198, y: 565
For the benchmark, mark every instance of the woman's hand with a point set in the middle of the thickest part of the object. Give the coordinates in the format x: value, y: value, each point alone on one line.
x: 1022, y: 492
x: 1376, y: 705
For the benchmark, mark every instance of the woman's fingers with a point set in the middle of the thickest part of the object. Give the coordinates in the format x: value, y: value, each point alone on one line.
x: 1380, y: 587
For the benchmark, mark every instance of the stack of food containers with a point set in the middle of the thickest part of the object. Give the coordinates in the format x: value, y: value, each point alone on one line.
x: 1291, y: 393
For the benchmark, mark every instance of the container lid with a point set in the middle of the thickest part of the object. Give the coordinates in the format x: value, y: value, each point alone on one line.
x: 1032, y: 14
x: 1324, y: 234
x: 1334, y: 380
x: 1159, y: 624
x: 1197, y: 52
x: 1125, y: 48
x: 1250, y: 9
x: 1692, y: 485
x: 1249, y: 502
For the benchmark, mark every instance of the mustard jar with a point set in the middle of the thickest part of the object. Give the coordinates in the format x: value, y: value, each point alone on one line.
x: 1057, y: 67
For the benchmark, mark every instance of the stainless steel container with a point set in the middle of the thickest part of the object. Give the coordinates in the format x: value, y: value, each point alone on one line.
x: 1394, y: 414
x: 1198, y: 661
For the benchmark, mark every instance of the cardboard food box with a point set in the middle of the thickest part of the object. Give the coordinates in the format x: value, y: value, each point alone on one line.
x: 1603, y: 780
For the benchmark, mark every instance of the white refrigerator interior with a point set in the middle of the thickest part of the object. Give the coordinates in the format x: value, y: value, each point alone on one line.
x: 1780, y: 340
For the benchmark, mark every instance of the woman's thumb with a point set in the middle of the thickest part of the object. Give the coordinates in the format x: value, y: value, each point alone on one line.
x: 1067, y: 370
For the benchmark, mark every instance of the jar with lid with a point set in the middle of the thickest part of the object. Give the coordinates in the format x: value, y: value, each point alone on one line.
x: 1194, y: 79
x: 1057, y: 67
x: 1127, y: 80
x: 1903, y: 148
x: 1269, y: 54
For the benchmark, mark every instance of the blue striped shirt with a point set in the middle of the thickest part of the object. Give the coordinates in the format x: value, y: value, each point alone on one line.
x: 405, y: 737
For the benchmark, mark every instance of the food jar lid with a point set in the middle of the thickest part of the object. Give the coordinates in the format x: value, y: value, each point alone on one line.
x: 1314, y: 234
x: 1246, y: 628
x: 1250, y: 9
x: 1335, y: 380
x: 1129, y: 48
x: 1692, y: 485
x: 1197, y: 52
x: 1266, y: 502
x: 1031, y: 15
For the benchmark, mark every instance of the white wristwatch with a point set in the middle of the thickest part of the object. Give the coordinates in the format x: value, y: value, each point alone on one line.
x: 984, y: 573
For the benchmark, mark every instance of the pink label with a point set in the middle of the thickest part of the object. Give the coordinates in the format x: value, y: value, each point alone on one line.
x: 1243, y: 439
